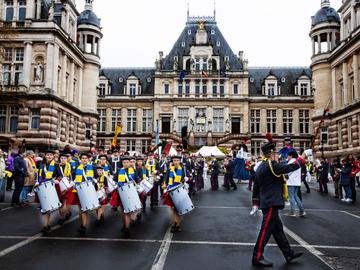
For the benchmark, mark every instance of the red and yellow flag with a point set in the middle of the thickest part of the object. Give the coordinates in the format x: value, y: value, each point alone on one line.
x: 117, y: 132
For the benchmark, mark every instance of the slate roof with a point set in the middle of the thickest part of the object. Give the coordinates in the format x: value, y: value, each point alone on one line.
x: 189, y: 39
x: 117, y: 87
x: 325, y: 14
x: 257, y: 78
x: 88, y: 17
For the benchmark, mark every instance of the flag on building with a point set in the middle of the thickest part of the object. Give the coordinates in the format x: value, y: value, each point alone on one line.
x: 204, y: 74
x: 182, y: 75
x: 118, y: 130
x: 157, y: 139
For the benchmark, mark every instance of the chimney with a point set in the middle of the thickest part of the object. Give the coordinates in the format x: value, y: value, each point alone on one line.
x: 241, y: 55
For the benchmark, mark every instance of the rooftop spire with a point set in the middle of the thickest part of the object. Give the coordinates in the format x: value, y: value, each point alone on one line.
x: 215, y: 9
x: 188, y: 10
x: 89, y: 4
x: 325, y: 3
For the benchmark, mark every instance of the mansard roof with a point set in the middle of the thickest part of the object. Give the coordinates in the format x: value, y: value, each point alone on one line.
x: 258, y: 75
x: 188, y: 37
x: 118, y: 79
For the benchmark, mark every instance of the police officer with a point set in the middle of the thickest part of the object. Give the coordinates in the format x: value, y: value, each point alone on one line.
x: 268, y: 195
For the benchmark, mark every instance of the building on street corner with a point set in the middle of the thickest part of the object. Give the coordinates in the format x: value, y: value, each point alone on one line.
x: 49, y: 74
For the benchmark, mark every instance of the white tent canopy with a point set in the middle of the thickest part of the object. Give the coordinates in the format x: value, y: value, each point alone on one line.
x: 209, y: 151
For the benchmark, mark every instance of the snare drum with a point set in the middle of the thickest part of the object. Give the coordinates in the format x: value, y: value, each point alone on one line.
x: 130, y: 198
x: 146, y: 185
x: 87, y: 196
x: 180, y: 197
x: 65, y: 185
x: 112, y: 186
x: 48, y: 197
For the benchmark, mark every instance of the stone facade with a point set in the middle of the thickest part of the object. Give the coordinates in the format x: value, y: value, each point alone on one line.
x: 49, y: 70
x: 203, y: 85
x: 335, y: 67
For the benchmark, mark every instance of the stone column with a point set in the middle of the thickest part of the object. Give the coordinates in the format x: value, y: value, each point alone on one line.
x: 356, y: 75
x: 353, y: 18
x: 333, y: 88
x: 55, y: 69
x: 263, y: 127
x: 30, y: 9
x: 98, y: 47
x: 93, y: 45
x: 333, y: 40
x: 80, y: 87
x: 319, y: 44
x: 345, y: 83
x: 328, y: 37
x: 279, y: 122
x: 16, y: 11
x: 27, y: 64
x: 296, y: 127
x: 49, y: 65
x: 313, y: 45
x: 139, y: 120
x: 108, y: 120
x: 38, y: 9
x: 70, y: 93
x: 63, y: 76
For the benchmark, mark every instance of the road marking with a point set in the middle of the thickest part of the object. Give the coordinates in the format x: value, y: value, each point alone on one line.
x: 349, y: 214
x: 160, y: 258
x: 307, y: 246
x: 7, y: 208
x: 12, y: 248
x: 173, y: 242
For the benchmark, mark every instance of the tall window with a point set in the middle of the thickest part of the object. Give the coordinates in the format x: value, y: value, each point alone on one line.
x: 324, y: 135
x: 35, y: 119
x: 201, y: 64
x: 183, y: 116
x: 187, y: 88
x: 204, y: 88
x: 13, y: 66
x: 287, y: 121
x: 132, y: 89
x: 130, y: 145
x: 3, y: 114
x: 218, y: 120
x: 166, y: 89
x: 255, y: 148
x: 271, y: 121
x: 131, y: 120
x: 147, y: 120
x: 102, y: 89
x: 22, y: 10
x: 271, y: 89
x: 255, y: 121
x: 145, y: 145
x: 180, y: 89
x: 304, y: 121
x: 222, y: 89
x: 14, y: 114
x: 236, y: 89
x: 197, y: 88
x: 9, y: 10
x: 303, y: 89
x: 339, y: 131
x: 101, y: 127
x: 115, y: 119
x: 214, y: 88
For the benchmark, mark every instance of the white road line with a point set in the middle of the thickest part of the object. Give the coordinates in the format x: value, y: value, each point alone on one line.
x: 307, y: 246
x: 349, y: 214
x: 7, y: 208
x: 12, y: 248
x: 174, y: 242
x: 160, y: 258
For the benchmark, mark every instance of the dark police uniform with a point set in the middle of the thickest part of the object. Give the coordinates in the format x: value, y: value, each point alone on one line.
x: 268, y: 195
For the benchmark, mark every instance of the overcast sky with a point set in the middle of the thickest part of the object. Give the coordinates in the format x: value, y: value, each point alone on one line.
x: 270, y: 32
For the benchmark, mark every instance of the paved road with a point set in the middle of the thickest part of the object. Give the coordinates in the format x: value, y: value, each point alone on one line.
x: 218, y: 235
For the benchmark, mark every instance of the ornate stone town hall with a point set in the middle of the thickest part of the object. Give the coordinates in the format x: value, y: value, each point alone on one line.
x: 51, y: 92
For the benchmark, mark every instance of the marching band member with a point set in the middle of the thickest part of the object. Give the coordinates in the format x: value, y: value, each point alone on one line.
x: 176, y: 176
x: 101, y: 184
x: 103, y: 162
x: 84, y: 172
x: 199, y: 174
x: 64, y: 171
x: 268, y: 195
x: 215, y: 171
x: 100, y: 152
x: 141, y: 174
x: 151, y: 168
x: 74, y: 159
x: 125, y: 175
x: 47, y: 172
x: 229, y: 170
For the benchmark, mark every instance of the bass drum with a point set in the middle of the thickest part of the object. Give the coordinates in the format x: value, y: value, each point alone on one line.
x: 48, y: 197
x: 180, y: 197
x: 87, y: 196
x: 130, y: 198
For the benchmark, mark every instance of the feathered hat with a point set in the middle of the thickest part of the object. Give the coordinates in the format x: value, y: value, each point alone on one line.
x: 269, y: 146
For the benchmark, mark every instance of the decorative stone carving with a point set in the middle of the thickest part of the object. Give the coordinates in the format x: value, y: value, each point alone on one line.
x: 39, y: 73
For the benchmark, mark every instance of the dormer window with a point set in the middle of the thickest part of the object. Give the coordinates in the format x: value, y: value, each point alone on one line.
x: 252, y: 79
x: 201, y: 64
x: 121, y: 79
x: 102, y: 89
x: 218, y: 43
x: 304, y: 89
x: 212, y: 31
x: 226, y: 58
x: 132, y: 89
x: 9, y: 10
x: 283, y: 79
x: 271, y: 89
x: 189, y: 32
x: 149, y: 80
x: 183, y: 44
